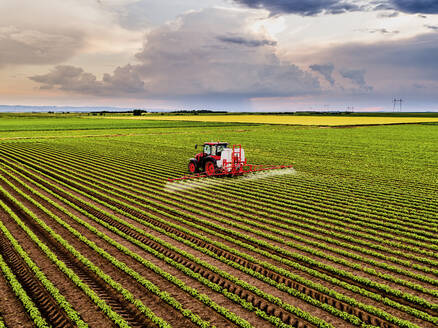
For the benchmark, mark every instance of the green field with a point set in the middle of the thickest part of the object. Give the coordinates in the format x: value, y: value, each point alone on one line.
x: 348, y: 238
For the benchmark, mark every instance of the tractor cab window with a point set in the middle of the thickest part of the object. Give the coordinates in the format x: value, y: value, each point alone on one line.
x: 219, y: 149
x: 207, y: 149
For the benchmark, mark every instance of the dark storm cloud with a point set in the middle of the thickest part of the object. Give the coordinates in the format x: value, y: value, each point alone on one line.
x: 325, y: 70
x: 246, y: 42
x: 392, y: 67
x: 305, y: 8
x: 314, y: 7
x: 411, y: 58
x: 416, y: 6
x: 123, y: 81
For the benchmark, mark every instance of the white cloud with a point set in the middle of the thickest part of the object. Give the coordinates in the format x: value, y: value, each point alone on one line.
x: 21, y: 46
x: 51, y: 31
x: 192, y: 58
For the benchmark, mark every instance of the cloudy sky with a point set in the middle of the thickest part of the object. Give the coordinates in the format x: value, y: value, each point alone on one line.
x: 259, y: 55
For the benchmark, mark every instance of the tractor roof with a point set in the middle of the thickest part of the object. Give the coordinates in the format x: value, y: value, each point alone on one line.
x: 215, y: 143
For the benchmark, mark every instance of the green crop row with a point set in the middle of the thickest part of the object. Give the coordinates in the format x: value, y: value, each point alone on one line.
x: 303, y: 214
x: 165, y: 296
x: 245, y: 304
x: 293, y: 264
x: 262, y: 233
x: 277, y: 191
x: 161, y: 166
x: 95, y: 298
x: 191, y: 200
x: 21, y: 294
x: 289, y: 243
x: 54, y: 292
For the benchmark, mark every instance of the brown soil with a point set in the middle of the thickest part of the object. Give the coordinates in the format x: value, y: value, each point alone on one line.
x: 347, y: 293
x: 133, y: 285
x: 11, y: 309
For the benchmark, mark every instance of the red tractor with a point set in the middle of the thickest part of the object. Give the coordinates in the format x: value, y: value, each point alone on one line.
x: 217, y: 159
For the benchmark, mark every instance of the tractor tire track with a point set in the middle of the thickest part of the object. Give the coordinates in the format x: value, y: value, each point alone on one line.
x: 166, y: 312
x: 12, y: 310
x: 47, y: 305
x: 257, y: 301
x: 138, y: 214
x: 126, y: 310
x: 366, y: 317
x: 169, y: 211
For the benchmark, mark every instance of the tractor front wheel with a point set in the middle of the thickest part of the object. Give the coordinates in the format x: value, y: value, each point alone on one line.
x: 210, y: 168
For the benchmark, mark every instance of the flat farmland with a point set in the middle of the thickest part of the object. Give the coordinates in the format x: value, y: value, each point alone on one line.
x: 92, y: 234
x: 291, y: 119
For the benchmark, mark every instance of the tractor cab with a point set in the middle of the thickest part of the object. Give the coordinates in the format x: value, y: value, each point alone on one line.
x: 209, y: 160
x: 214, y: 148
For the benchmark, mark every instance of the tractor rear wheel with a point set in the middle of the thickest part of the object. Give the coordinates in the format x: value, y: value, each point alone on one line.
x: 210, y: 168
x: 193, y: 168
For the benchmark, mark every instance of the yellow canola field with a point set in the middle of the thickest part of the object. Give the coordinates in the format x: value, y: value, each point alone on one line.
x: 292, y: 120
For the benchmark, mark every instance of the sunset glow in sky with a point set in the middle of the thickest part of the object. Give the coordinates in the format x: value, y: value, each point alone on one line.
x: 236, y: 55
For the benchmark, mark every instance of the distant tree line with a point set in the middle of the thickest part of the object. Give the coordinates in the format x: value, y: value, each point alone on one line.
x: 196, y: 112
x: 138, y: 112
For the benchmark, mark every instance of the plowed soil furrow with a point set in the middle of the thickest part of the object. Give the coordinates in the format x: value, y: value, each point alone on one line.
x: 263, y: 304
x: 126, y: 310
x: 157, y: 305
x: 374, y: 194
x: 11, y: 309
x: 47, y: 305
x: 229, y: 205
x: 124, y: 209
x: 402, y: 315
x: 80, y: 302
x: 349, y: 280
x: 307, y: 290
x: 50, y: 155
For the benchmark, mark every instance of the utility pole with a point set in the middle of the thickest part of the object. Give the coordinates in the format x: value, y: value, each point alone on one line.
x: 394, y: 104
